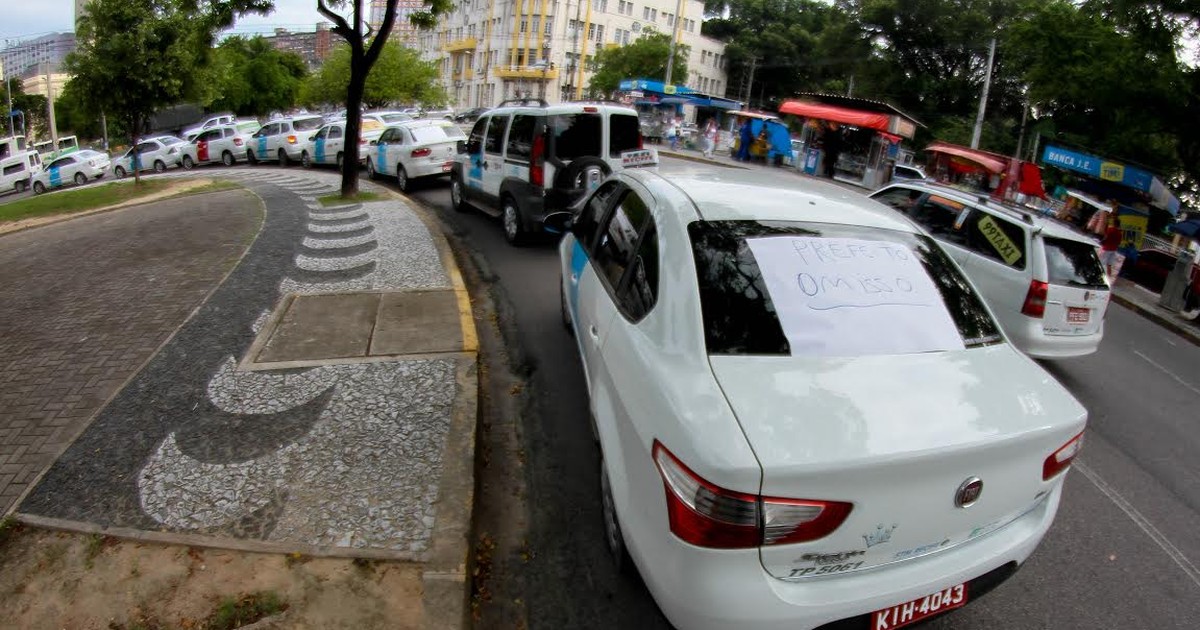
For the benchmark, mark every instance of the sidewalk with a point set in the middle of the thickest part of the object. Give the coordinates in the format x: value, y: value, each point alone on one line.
x: 1124, y: 292
x: 319, y: 401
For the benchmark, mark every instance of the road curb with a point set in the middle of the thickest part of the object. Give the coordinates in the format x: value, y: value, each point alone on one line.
x: 701, y: 160
x: 1182, y: 330
x: 447, y: 592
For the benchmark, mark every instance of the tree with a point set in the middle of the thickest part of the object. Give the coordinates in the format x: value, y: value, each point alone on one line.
x: 253, y: 78
x: 31, y: 106
x: 398, y: 76
x: 646, y: 57
x: 136, y: 56
x: 365, y: 46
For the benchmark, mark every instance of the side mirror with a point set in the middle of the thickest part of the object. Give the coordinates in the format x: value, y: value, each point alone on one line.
x: 313, y: 137
x: 373, y: 143
x: 461, y: 147
x: 558, y: 222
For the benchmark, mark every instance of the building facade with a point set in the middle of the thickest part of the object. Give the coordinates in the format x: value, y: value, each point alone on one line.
x: 312, y: 46
x: 403, y: 30
x: 37, y: 56
x: 492, y: 50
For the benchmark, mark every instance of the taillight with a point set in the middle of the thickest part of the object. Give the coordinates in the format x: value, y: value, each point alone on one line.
x: 641, y: 143
x: 237, y: 142
x: 1062, y: 458
x: 425, y: 152
x: 537, y: 161
x: 362, y: 140
x: 706, y: 515
x: 291, y: 139
x: 1035, y: 299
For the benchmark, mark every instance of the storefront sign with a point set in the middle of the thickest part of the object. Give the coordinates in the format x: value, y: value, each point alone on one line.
x: 1130, y: 176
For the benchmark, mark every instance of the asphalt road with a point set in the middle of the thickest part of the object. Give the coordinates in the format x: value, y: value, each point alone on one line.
x: 1122, y: 553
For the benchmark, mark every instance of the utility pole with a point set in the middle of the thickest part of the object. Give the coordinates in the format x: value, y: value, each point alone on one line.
x: 8, y: 88
x: 674, y: 38
x: 850, y: 88
x: 987, y: 83
x: 1021, y: 136
x: 750, y: 81
x: 50, y: 110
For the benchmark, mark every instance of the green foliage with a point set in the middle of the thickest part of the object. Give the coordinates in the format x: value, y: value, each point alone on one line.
x: 33, y: 106
x: 242, y: 611
x: 252, y: 78
x: 398, y: 76
x: 646, y: 57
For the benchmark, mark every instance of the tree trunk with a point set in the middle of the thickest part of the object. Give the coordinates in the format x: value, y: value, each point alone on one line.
x: 354, y: 96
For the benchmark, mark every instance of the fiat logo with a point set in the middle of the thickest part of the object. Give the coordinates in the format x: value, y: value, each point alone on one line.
x: 968, y: 493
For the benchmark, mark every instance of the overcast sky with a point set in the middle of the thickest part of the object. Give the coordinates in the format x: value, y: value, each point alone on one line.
x: 22, y: 19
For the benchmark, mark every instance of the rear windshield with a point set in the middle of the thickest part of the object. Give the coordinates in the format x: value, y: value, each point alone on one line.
x: 576, y: 135
x: 432, y: 133
x: 306, y: 124
x: 791, y: 288
x: 1074, y: 264
x: 624, y: 134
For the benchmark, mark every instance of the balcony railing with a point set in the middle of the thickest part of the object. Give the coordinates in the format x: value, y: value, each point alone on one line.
x: 460, y: 45
x: 525, y: 72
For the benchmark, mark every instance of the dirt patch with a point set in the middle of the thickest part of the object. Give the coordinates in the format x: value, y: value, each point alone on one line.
x: 58, y: 580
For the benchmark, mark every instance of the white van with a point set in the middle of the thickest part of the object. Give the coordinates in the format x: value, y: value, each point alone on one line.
x: 18, y: 165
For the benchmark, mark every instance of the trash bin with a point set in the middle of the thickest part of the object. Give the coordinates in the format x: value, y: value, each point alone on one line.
x: 1174, y: 290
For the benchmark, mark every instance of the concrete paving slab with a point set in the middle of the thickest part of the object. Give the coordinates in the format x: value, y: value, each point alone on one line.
x: 322, y: 327
x: 415, y: 322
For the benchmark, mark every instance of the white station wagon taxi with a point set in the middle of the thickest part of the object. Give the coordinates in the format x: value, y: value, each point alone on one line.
x: 226, y: 145
x: 282, y: 139
x: 414, y: 150
x: 805, y: 412
x: 79, y: 168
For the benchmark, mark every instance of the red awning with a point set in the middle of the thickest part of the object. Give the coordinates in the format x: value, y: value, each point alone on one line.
x: 979, y: 157
x: 856, y: 117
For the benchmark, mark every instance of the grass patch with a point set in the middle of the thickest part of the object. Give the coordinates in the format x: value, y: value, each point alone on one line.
x: 241, y: 611
x: 79, y: 200
x: 336, y: 199
x: 95, y: 546
x: 9, y: 528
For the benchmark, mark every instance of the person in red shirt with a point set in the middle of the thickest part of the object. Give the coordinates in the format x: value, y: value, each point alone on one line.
x: 1110, y: 243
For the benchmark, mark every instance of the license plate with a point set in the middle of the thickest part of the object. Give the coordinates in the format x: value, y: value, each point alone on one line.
x: 1078, y: 315
x: 921, y: 608
x: 639, y: 158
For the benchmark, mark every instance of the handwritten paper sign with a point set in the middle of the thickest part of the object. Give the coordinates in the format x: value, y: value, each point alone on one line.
x: 853, y: 297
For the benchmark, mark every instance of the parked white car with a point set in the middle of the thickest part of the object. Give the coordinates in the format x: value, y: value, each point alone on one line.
x: 79, y: 168
x: 415, y: 150
x: 219, y: 120
x: 806, y: 414
x: 328, y: 145
x: 283, y: 139
x: 17, y: 165
x: 157, y: 154
x: 1044, y: 281
x: 389, y: 118
x: 226, y: 145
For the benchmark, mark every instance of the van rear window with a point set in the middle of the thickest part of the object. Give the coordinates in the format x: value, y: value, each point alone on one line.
x: 576, y: 135
x: 624, y: 134
x: 1074, y: 264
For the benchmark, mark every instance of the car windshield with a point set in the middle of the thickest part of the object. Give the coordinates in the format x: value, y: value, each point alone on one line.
x: 1073, y: 263
x: 791, y: 288
x: 306, y: 124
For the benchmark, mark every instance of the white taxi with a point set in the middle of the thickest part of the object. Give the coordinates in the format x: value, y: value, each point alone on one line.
x: 158, y: 153
x: 79, y: 167
x: 414, y: 150
x: 226, y: 145
x: 282, y: 139
x: 806, y: 414
x: 328, y: 144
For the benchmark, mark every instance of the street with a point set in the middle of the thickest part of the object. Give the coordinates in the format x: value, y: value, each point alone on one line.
x: 1121, y: 554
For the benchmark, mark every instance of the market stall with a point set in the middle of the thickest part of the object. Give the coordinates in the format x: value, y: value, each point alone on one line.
x: 658, y: 103
x: 1002, y: 176
x: 849, y: 139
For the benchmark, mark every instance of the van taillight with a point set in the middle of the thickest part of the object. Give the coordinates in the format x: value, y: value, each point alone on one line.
x: 1035, y: 299
x: 291, y: 139
x: 237, y: 142
x: 423, y: 152
x: 1060, y: 459
x: 707, y: 515
x: 537, y: 165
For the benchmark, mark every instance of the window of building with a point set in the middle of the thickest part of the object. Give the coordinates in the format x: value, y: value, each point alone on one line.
x: 549, y: 25
x: 645, y: 13
x: 670, y: 19
x: 600, y: 33
x: 600, y: 5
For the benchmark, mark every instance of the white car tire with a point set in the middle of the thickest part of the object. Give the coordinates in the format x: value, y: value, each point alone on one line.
x: 371, y: 174
x: 38, y: 188
x: 188, y: 162
x: 305, y: 161
x: 160, y: 166
x: 458, y: 200
x: 510, y: 216
x: 283, y: 158
x: 614, y: 540
x: 227, y: 158
x: 80, y: 179
x: 119, y: 172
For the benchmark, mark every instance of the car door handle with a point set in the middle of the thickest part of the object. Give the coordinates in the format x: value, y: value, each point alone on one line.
x: 574, y: 278
x: 594, y: 333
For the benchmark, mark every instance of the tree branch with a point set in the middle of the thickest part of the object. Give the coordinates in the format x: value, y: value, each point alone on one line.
x: 340, y: 26
x: 385, y: 30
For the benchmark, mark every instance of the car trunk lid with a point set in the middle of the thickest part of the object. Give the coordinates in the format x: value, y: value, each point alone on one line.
x: 1078, y: 293
x: 898, y: 436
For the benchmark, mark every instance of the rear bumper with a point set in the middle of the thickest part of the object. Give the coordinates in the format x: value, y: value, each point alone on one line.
x: 1031, y: 339
x: 700, y: 588
x: 426, y: 169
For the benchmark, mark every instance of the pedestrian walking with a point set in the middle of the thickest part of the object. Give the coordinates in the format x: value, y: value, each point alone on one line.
x: 710, y: 137
x: 1110, y: 243
x: 673, y: 134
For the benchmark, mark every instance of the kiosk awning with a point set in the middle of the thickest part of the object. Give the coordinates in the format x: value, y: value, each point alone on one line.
x: 858, y: 118
x: 981, y: 158
x: 1115, y: 172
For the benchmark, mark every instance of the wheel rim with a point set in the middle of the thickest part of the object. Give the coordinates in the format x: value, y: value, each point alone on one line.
x: 401, y: 178
x: 80, y: 178
x: 591, y: 177
x: 187, y: 162
x: 227, y: 159
x: 455, y: 193
x: 510, y: 220
x: 612, y: 530
x: 159, y: 167
x: 120, y: 172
